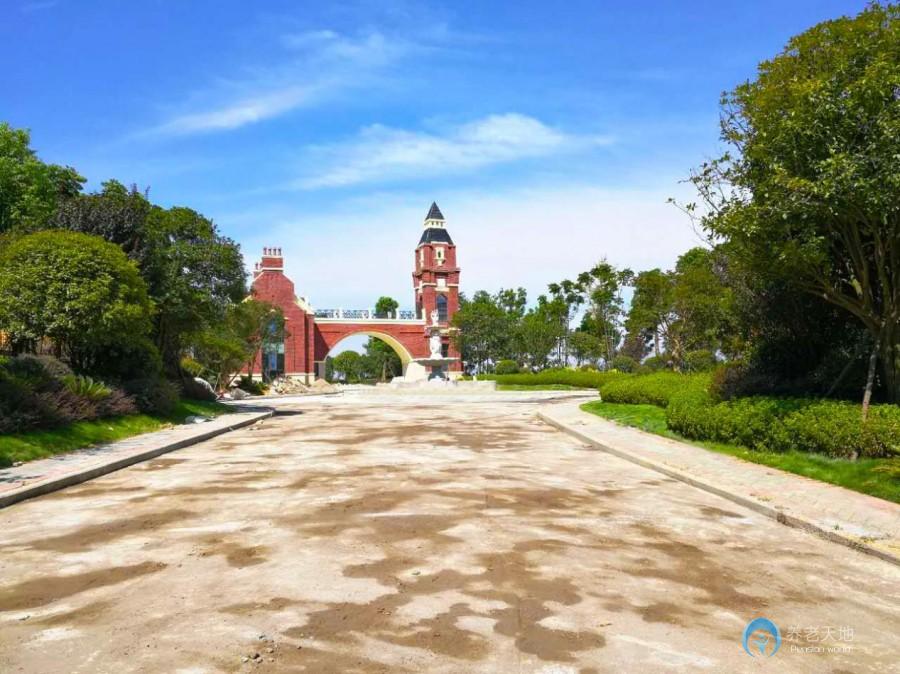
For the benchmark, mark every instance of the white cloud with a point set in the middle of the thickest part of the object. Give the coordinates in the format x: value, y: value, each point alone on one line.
x: 380, y: 153
x: 524, y: 237
x: 322, y: 64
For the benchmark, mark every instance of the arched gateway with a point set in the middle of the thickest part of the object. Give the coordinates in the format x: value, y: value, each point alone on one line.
x: 312, y: 333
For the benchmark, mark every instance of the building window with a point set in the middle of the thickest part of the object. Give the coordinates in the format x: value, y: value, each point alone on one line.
x: 445, y: 349
x: 439, y: 255
x: 442, y: 308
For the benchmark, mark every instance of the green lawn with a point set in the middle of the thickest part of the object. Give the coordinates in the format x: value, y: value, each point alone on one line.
x: 876, y: 477
x: 42, y: 443
x: 539, y: 387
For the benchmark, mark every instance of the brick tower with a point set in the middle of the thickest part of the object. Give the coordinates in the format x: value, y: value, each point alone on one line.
x: 436, y: 276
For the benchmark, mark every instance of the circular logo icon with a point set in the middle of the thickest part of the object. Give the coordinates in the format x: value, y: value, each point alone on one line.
x: 762, y: 636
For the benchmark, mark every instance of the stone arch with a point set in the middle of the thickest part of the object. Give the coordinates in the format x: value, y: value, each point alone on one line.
x: 411, y: 369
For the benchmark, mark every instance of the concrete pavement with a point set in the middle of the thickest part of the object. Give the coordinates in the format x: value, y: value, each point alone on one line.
x: 367, y: 534
x: 841, y: 515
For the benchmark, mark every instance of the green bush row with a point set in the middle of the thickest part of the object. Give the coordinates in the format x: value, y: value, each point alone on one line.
x: 830, y: 427
x: 657, y: 388
x: 566, y: 376
x: 833, y: 428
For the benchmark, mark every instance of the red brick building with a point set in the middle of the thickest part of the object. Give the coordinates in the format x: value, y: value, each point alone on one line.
x: 313, y: 333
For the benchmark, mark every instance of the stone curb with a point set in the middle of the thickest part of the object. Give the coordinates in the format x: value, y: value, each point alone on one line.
x: 761, y: 508
x: 77, y: 477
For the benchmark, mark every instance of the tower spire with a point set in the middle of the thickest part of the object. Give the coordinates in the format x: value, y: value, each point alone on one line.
x: 434, y: 213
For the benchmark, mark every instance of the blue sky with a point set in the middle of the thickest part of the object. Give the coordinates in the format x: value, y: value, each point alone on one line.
x: 550, y: 134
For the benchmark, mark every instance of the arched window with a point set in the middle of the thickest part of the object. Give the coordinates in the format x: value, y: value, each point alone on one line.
x: 442, y: 308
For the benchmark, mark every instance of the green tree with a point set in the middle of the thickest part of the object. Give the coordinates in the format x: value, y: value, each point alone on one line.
x: 383, y: 361
x: 587, y: 347
x: 246, y: 330
x: 811, y: 185
x: 193, y: 273
x: 686, y: 309
x: 601, y: 288
x: 386, y: 307
x: 381, y: 358
x: 483, y: 331
x: 567, y: 296
x: 349, y: 364
x: 30, y: 190
x: 542, y: 329
x: 77, y: 292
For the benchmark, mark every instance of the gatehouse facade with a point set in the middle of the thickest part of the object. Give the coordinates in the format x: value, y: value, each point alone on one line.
x: 313, y: 333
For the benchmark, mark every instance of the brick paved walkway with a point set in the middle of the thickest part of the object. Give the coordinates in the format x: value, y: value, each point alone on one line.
x: 838, y: 513
x: 44, y: 475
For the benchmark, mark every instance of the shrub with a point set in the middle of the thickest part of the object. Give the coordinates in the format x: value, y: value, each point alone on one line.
x: 651, y: 389
x: 85, y: 387
x: 736, y: 379
x: 625, y: 364
x: 30, y: 397
x: 507, y: 367
x: 52, y: 366
x: 700, y: 360
x: 565, y: 376
x: 655, y: 363
x: 191, y: 366
x: 788, y: 424
x: 153, y: 395
x: 252, y: 386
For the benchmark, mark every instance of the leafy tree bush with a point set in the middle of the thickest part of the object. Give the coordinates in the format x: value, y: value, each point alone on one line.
x: 507, y: 366
x: 79, y: 292
x: 252, y: 386
x: 809, y: 188
x: 30, y: 190
x: 625, y: 364
x: 699, y: 360
x: 153, y: 395
x: 655, y: 364
x: 349, y: 364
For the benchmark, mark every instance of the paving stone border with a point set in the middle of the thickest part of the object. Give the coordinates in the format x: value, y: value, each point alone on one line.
x: 547, y: 416
x: 119, y: 459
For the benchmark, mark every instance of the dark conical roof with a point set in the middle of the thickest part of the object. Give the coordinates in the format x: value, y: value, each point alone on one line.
x: 435, y: 235
x: 434, y: 213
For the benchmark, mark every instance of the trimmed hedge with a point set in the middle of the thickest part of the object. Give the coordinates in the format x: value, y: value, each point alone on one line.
x: 651, y: 389
x: 833, y: 428
x: 579, y: 378
x: 830, y: 427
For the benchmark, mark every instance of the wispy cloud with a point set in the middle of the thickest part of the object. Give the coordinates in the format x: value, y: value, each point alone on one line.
x: 320, y: 64
x: 382, y: 153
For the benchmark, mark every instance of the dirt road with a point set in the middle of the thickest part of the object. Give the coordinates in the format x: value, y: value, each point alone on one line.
x: 369, y: 534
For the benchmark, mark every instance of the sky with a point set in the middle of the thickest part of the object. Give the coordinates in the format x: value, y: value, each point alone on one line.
x: 551, y: 134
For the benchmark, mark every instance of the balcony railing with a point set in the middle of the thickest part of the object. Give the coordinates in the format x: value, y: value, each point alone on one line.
x: 367, y: 315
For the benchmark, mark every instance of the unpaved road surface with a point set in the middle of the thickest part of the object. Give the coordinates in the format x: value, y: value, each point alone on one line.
x: 378, y: 534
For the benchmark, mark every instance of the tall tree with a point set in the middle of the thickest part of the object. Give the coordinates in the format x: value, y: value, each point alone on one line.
x: 483, y: 331
x: 386, y: 307
x: 601, y: 288
x: 193, y: 273
x: 30, y: 190
x: 77, y: 293
x: 811, y: 185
